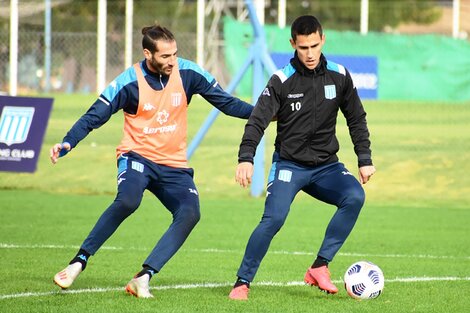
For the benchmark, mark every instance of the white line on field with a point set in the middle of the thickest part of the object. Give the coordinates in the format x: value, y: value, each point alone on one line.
x: 218, y: 285
x: 414, y: 256
x: 365, y: 255
x: 43, y: 246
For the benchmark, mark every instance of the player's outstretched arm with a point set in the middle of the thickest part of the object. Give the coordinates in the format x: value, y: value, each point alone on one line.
x: 244, y: 173
x: 365, y: 172
x: 59, y: 150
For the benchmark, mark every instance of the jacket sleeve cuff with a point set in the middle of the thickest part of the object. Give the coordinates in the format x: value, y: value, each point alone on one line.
x: 64, y: 151
x: 365, y: 162
x: 245, y: 158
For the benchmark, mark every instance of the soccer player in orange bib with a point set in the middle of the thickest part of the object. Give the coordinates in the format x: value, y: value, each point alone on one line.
x: 154, y: 95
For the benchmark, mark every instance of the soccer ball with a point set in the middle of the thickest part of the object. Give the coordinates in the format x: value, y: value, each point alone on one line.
x: 364, y: 280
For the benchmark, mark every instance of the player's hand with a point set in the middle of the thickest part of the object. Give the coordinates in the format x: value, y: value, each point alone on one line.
x: 244, y: 173
x: 56, y: 149
x: 365, y: 173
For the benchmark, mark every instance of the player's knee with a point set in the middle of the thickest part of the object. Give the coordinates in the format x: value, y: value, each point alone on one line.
x: 190, y: 214
x: 195, y: 216
x: 128, y: 205
x: 355, y: 199
x: 275, y: 222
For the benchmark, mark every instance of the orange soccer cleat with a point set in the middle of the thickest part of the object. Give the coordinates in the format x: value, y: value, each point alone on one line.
x: 320, y: 277
x: 239, y: 293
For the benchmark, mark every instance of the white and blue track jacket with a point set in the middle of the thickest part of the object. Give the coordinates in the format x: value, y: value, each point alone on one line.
x: 123, y: 93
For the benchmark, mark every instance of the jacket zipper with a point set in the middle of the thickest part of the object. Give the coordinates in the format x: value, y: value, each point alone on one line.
x: 314, y: 109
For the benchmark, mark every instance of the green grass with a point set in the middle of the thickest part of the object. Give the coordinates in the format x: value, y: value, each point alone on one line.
x: 414, y: 224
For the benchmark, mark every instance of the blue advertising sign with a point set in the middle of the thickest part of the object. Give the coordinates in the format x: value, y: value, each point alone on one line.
x: 23, y: 123
x: 363, y: 70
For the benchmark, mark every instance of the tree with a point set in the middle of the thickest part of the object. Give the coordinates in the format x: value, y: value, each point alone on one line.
x: 345, y: 14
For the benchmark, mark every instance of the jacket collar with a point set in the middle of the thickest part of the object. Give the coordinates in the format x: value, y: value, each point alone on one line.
x: 164, y: 78
x: 302, y: 69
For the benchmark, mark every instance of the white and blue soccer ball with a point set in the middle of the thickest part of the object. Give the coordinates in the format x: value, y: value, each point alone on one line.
x: 364, y: 280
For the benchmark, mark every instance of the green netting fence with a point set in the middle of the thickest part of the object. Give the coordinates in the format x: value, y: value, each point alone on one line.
x: 410, y: 67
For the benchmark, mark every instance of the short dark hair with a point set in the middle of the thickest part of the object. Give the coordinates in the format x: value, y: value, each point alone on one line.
x: 154, y: 33
x: 305, y: 25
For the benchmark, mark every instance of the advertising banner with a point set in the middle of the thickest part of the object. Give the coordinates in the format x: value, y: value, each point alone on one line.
x: 23, y: 122
x: 363, y: 70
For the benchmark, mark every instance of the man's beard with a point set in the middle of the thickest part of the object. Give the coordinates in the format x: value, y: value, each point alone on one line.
x: 158, y: 68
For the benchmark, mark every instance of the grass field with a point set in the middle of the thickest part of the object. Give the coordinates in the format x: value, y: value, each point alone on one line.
x: 414, y: 225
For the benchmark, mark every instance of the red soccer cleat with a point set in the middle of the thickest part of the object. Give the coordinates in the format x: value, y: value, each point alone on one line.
x: 320, y: 277
x: 239, y: 293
